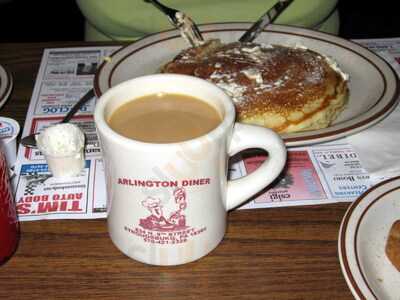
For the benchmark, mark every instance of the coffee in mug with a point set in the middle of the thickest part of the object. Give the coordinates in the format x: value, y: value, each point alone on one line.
x: 167, y: 198
x: 164, y: 118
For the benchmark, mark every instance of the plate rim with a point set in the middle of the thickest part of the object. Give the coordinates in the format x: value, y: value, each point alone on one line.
x: 336, y: 131
x: 346, y: 268
x: 5, y: 90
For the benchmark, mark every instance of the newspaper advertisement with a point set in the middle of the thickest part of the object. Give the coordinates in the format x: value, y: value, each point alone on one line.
x: 390, y: 45
x: 65, y: 75
x: 318, y: 174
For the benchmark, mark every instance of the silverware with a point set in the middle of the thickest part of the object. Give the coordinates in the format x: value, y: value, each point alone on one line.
x: 30, y: 141
x: 188, y: 29
x: 267, y: 18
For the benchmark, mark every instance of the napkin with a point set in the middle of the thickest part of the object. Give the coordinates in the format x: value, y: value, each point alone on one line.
x: 378, y: 147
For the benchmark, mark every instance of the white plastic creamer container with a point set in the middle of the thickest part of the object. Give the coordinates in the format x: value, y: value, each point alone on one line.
x: 63, y: 147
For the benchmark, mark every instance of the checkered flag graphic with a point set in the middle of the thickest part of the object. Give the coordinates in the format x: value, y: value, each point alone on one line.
x: 33, y: 181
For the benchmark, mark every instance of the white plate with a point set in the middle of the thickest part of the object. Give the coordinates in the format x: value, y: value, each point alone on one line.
x: 362, y: 240
x: 6, y: 84
x: 373, y: 83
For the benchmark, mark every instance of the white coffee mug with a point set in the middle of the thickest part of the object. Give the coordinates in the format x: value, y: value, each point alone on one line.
x: 168, y: 203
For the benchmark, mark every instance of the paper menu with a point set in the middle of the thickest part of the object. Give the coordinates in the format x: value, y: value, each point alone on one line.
x: 317, y: 174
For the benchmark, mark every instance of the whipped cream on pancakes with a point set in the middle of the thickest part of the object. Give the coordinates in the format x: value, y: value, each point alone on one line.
x: 290, y: 82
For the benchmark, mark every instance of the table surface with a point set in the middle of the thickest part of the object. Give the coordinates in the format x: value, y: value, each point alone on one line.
x: 276, y: 253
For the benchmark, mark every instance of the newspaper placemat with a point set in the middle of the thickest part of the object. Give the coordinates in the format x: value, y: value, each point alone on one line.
x: 65, y: 74
x: 318, y: 174
x: 384, y: 134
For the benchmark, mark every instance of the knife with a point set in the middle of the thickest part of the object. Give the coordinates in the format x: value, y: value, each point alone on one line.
x: 267, y: 18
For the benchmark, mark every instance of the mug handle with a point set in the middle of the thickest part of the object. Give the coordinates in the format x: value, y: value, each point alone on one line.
x: 250, y: 136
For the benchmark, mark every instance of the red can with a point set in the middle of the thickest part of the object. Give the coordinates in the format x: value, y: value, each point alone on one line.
x: 9, y: 226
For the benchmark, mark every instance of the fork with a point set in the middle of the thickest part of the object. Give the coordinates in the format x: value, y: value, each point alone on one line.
x: 188, y: 29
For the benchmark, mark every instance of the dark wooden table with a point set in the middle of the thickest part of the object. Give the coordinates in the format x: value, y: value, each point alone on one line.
x: 279, y: 253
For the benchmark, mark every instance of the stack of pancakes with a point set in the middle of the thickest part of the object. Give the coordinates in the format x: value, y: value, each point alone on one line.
x: 287, y: 89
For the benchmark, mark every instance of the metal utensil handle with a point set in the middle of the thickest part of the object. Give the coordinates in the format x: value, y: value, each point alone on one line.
x: 170, y: 12
x: 264, y: 20
x: 188, y: 29
x: 89, y: 95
